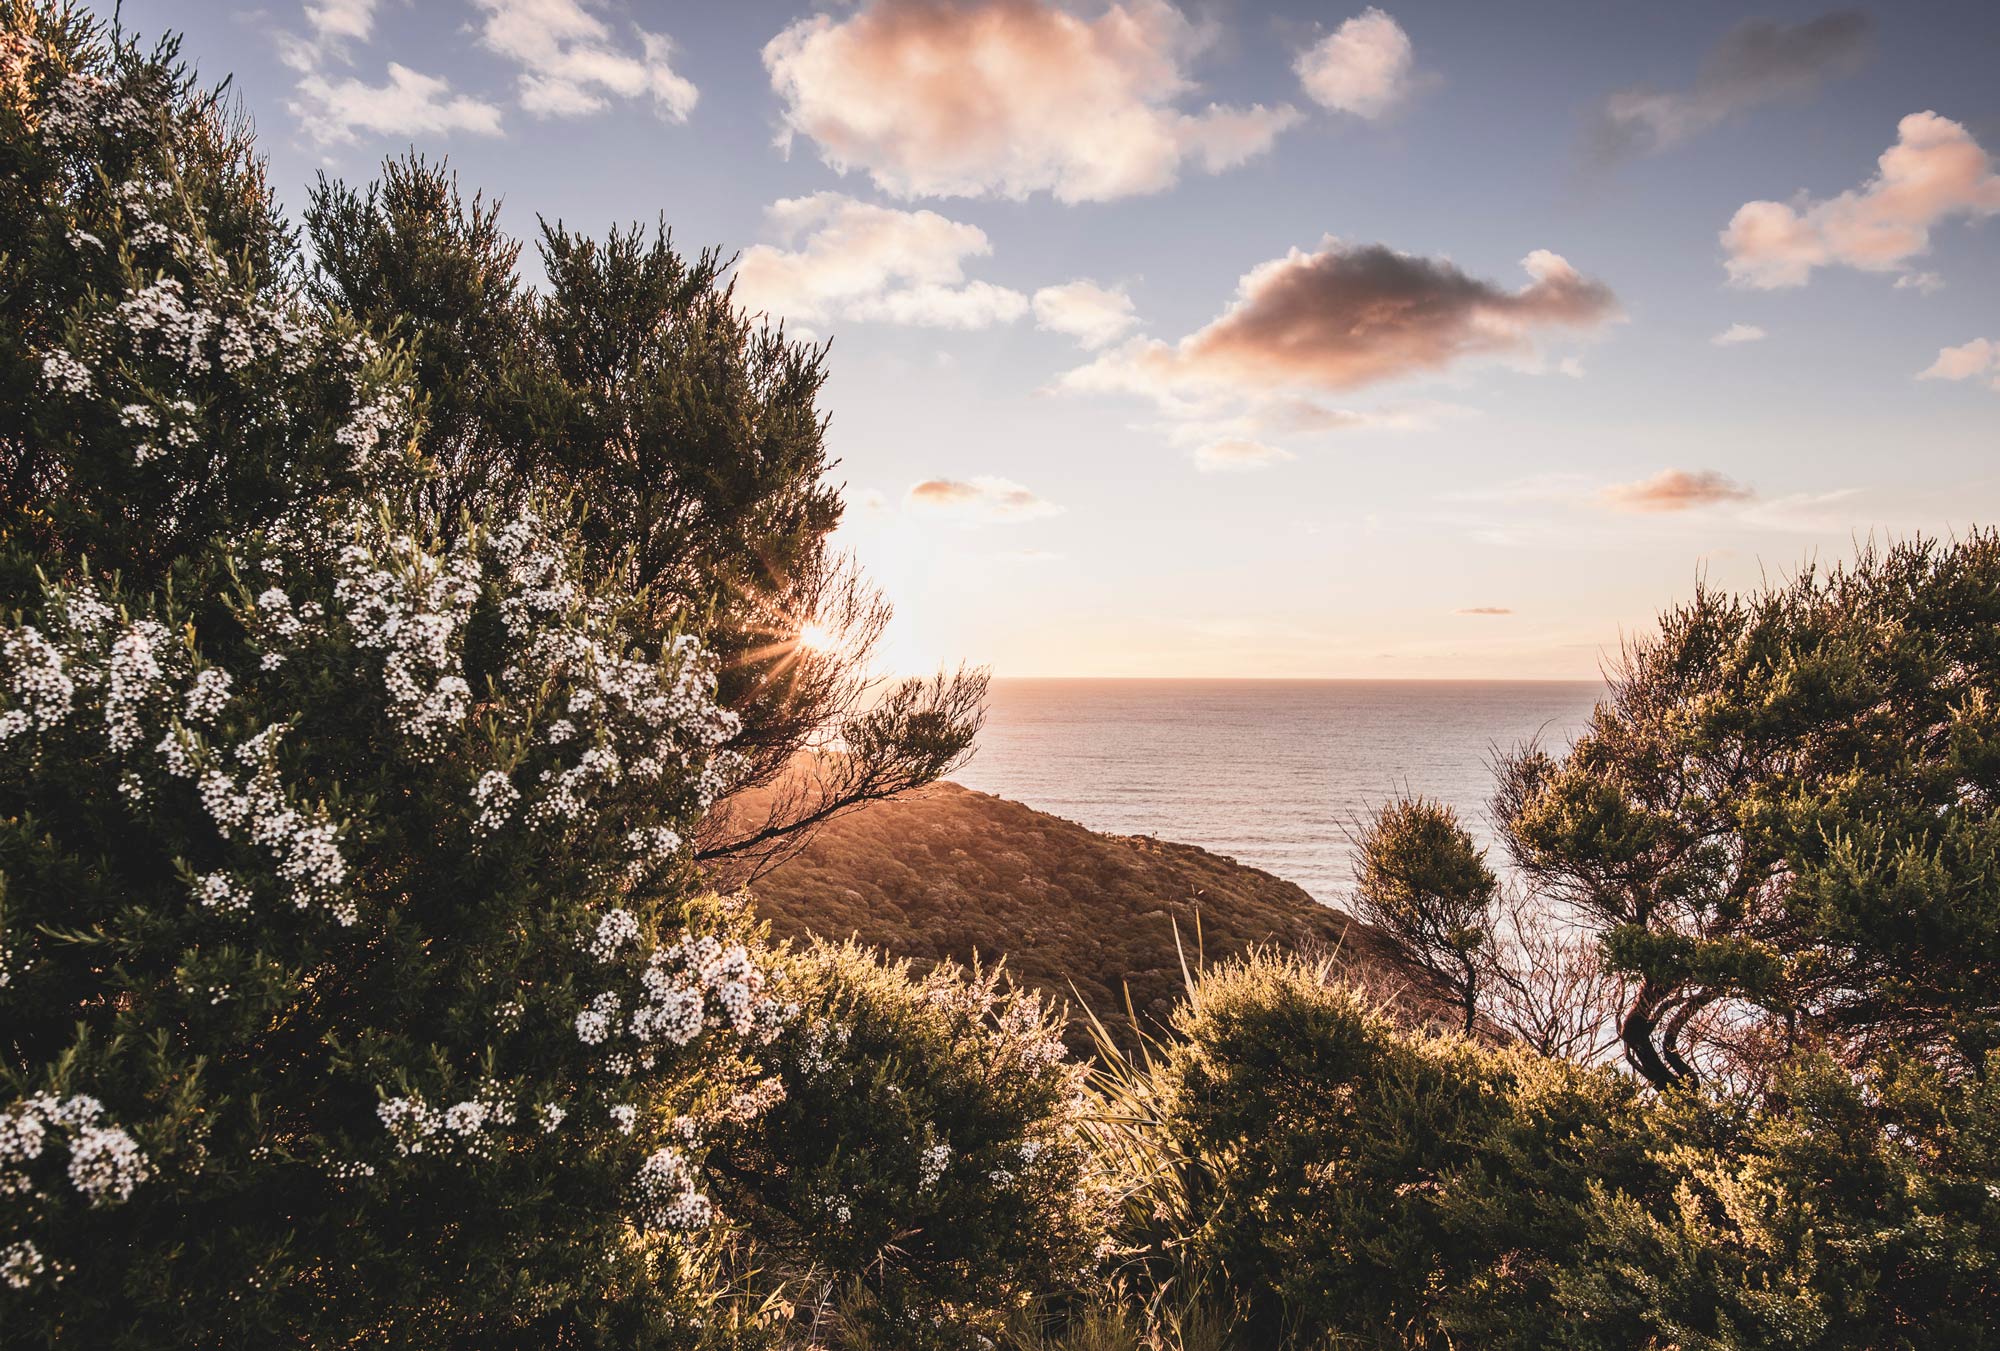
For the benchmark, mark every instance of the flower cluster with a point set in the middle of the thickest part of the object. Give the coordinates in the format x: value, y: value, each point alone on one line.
x: 666, y: 1193
x: 464, y: 1127
x: 684, y: 988
x: 20, y: 1263
x: 305, y: 846
x: 106, y: 1164
x: 412, y: 605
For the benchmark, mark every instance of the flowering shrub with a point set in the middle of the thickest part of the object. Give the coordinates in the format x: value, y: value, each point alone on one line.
x: 353, y: 975
x: 929, y: 1145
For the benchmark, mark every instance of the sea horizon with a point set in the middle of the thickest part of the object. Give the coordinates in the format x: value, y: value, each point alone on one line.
x: 1275, y: 772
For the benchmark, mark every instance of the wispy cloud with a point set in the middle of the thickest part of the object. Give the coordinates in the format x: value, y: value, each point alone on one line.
x: 1737, y: 334
x: 981, y: 500
x: 1756, y: 62
x: 854, y: 260
x: 1237, y: 454
x: 1009, y: 98
x: 571, y: 64
x: 1364, y: 67
x: 1935, y: 171
x: 1675, y: 490
x: 335, y: 112
x: 1484, y: 610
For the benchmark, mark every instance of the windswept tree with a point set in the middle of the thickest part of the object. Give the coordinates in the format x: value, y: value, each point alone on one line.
x: 1419, y: 877
x: 688, y: 436
x: 1784, y: 819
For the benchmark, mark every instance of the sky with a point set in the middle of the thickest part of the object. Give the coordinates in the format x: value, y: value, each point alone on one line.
x: 1267, y: 340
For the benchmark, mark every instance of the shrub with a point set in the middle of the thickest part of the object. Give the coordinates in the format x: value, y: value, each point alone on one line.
x: 354, y: 984
x: 1340, y: 1175
x: 928, y: 1146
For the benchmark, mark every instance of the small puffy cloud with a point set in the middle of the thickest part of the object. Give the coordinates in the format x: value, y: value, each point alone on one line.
x: 1739, y: 333
x: 1484, y: 610
x: 1928, y: 283
x: 980, y: 500
x: 334, y: 112
x: 1935, y: 171
x: 1009, y: 98
x: 1347, y: 315
x: 1675, y: 490
x: 342, y: 20
x: 1363, y: 67
x: 571, y: 65
x: 1094, y: 315
x: 854, y: 260
x: 1757, y: 61
x: 1236, y: 454
x: 1978, y: 359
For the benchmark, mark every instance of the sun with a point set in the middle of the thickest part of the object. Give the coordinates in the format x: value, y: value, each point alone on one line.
x: 816, y: 637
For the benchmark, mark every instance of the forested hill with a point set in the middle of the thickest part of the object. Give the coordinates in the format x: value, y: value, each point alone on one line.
x: 945, y: 872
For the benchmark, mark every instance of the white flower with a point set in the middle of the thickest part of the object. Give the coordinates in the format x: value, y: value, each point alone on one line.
x: 932, y: 1165
x: 626, y: 1117
x: 666, y: 1193
x: 614, y: 931
x: 20, y: 1263
x: 106, y: 1164
x: 61, y: 370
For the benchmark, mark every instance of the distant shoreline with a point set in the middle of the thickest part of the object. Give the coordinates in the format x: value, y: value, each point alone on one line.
x: 1482, y: 681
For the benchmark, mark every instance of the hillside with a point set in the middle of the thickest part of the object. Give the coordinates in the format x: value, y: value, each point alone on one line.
x: 950, y: 873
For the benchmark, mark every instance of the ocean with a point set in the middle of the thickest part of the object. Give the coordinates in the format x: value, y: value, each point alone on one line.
x: 1273, y: 773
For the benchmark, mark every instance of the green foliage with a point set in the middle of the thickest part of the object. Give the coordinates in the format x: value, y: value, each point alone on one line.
x: 929, y: 1147
x: 1347, y: 1176
x: 354, y: 983
x: 690, y: 431
x: 1341, y: 1179
x: 1420, y: 879
x: 1783, y: 818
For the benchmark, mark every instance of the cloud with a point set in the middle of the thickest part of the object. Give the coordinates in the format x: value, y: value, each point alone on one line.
x: 1363, y: 67
x: 1009, y: 98
x: 1739, y: 333
x: 981, y: 500
x: 331, y: 112
x: 1675, y: 490
x: 1345, y: 316
x: 333, y: 25
x: 1979, y: 358
x: 1934, y: 171
x: 1094, y: 315
x: 1757, y: 61
x: 570, y: 64
x: 855, y: 260
x: 1238, y: 454
x: 1484, y: 610
x: 342, y: 20
x: 1927, y: 282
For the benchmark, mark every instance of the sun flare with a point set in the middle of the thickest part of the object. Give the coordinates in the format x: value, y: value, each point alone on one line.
x: 816, y: 637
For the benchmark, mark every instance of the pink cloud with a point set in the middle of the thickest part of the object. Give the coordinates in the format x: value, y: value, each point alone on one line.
x: 1009, y: 98
x: 1978, y: 359
x: 1362, y: 67
x: 843, y: 259
x: 1935, y: 171
x: 1676, y: 490
x: 1347, y: 315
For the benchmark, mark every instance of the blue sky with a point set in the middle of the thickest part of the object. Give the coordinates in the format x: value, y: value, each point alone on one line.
x: 1312, y: 416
